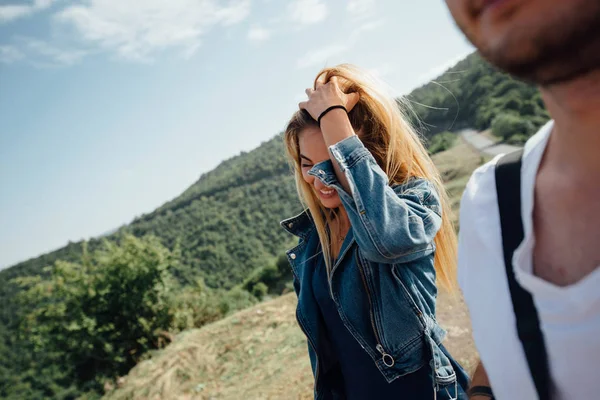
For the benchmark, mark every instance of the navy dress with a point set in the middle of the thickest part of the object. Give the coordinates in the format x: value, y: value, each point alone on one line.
x: 349, y: 369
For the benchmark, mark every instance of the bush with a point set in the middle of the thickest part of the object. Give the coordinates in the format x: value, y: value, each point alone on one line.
x: 195, y: 306
x: 517, y: 140
x: 93, y: 319
x: 236, y: 299
x: 507, y: 125
x: 260, y: 290
x: 441, y: 142
x: 274, y: 276
x: 528, y: 108
x: 513, y: 104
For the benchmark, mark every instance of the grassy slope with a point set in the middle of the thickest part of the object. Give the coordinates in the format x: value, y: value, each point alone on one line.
x: 260, y: 353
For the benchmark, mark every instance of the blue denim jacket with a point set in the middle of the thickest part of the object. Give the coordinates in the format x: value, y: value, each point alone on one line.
x: 383, y: 281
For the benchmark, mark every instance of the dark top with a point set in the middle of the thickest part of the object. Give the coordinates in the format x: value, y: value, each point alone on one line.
x: 351, y: 372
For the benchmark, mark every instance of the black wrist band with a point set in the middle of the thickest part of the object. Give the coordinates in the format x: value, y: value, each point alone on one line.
x: 481, y: 391
x: 329, y: 109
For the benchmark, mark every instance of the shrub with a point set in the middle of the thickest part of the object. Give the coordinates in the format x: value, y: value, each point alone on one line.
x: 441, y: 142
x: 260, y: 290
x: 518, y: 139
x: 507, y: 125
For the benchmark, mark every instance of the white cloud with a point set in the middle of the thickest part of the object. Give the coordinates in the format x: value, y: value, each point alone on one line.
x: 382, y: 70
x: 320, y: 57
x: 439, y: 69
x: 308, y: 11
x: 136, y: 30
x: 258, y: 34
x: 360, y: 7
x: 47, y: 55
x: 13, y: 11
x: 9, y: 54
x: 367, y: 26
x: 43, y: 54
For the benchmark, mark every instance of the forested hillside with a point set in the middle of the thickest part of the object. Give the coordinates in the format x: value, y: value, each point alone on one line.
x: 227, y: 220
x: 224, y: 231
x: 473, y: 94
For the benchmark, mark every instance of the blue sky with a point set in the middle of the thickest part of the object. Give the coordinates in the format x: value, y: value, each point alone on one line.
x: 109, y: 108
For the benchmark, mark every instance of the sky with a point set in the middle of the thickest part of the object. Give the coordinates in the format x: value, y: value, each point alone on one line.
x: 110, y: 108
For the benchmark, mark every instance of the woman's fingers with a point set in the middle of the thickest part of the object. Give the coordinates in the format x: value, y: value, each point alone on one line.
x: 351, y: 100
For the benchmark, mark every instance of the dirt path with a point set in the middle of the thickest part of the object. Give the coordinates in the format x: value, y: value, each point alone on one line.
x: 484, y: 144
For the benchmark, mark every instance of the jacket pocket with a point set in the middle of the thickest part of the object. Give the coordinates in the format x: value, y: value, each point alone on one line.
x: 441, y: 366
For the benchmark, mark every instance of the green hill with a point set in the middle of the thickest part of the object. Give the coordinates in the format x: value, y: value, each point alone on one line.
x: 473, y: 94
x: 227, y: 222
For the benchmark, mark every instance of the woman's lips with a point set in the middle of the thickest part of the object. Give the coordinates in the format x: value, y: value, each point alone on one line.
x: 326, y: 193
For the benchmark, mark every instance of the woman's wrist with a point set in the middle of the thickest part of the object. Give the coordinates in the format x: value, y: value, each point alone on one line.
x: 333, y: 114
x: 336, y: 127
x: 330, y: 109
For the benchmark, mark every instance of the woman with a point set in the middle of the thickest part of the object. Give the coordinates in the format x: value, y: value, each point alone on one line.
x: 374, y: 242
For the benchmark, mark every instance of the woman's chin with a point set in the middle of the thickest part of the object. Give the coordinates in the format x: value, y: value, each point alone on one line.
x: 333, y: 202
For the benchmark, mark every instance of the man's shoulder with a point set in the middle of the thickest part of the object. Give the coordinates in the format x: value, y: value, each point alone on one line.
x: 480, y: 192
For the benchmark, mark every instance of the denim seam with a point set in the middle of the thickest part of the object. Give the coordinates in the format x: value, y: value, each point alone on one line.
x: 411, y: 300
x: 356, y: 156
x: 375, y: 305
x: 365, y: 220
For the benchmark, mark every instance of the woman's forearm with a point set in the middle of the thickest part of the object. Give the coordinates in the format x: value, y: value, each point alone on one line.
x: 336, y: 127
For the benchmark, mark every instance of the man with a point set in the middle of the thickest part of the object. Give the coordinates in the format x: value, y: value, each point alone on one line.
x: 555, y: 44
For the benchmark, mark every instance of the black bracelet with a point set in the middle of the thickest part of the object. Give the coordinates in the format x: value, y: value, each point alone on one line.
x: 481, y: 391
x: 329, y: 109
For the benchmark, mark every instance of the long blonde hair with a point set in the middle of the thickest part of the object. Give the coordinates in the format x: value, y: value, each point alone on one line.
x: 380, y: 123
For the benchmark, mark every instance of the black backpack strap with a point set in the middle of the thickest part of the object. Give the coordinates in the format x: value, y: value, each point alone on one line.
x: 508, y: 187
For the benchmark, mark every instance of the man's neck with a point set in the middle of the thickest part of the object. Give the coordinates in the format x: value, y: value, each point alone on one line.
x: 575, y: 142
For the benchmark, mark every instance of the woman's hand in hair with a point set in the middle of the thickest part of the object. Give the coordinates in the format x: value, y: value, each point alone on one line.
x: 335, y: 125
x: 326, y: 95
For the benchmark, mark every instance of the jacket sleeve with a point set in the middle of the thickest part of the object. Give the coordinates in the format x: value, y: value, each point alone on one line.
x: 390, y: 224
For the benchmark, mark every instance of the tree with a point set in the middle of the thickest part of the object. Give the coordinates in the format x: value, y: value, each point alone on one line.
x: 95, y: 318
x: 260, y: 290
x: 441, y: 141
x: 507, y: 125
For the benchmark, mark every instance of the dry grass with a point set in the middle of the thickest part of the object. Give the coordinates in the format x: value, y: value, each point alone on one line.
x: 456, y: 166
x: 260, y: 353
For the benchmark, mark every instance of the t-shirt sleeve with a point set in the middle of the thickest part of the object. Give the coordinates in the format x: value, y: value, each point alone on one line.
x: 479, y: 227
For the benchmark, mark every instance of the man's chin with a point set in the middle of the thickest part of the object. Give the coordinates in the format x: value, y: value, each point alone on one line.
x: 543, y: 70
x: 545, y: 48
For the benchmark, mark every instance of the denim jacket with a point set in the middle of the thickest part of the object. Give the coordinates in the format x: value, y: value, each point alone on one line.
x: 383, y: 281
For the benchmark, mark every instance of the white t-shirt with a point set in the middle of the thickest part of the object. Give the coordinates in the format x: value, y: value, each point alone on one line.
x: 569, y: 316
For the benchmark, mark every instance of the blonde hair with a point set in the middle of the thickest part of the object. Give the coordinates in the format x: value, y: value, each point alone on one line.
x: 382, y: 127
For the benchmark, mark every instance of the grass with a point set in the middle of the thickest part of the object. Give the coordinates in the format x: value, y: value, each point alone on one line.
x: 260, y: 353
x: 455, y: 166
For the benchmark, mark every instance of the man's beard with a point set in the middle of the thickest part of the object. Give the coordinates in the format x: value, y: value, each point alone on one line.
x: 557, y: 49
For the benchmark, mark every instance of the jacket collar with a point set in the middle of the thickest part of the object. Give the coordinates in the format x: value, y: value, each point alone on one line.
x: 300, y: 225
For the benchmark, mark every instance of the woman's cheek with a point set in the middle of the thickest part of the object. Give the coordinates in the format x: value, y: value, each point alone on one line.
x: 307, y: 178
